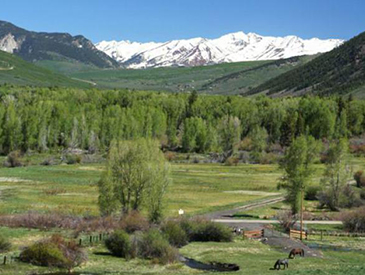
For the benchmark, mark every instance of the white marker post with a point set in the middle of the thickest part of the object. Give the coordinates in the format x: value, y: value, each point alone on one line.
x: 181, y: 212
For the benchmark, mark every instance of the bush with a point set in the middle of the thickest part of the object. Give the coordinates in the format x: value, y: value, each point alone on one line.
x: 134, y: 221
x: 174, y: 233
x: 154, y: 246
x: 287, y: 220
x: 4, y: 245
x: 311, y: 193
x: 119, y: 244
x: 359, y: 177
x: 362, y: 194
x: 170, y: 156
x: 268, y: 158
x: 54, y: 252
x: 14, y: 159
x: 354, y: 221
x: 232, y: 161
x: 206, y: 231
x: 73, y: 159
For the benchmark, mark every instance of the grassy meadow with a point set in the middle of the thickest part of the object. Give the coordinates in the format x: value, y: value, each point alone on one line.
x: 71, y: 189
x: 196, y: 188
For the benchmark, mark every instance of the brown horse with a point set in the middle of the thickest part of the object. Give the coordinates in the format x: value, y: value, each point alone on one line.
x: 296, y: 251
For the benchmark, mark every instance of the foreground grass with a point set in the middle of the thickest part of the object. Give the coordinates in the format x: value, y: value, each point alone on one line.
x: 252, y: 256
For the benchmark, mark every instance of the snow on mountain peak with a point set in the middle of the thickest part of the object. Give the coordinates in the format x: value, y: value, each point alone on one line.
x: 232, y: 47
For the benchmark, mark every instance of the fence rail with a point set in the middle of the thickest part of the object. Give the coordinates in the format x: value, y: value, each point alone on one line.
x: 296, y: 234
x: 253, y: 234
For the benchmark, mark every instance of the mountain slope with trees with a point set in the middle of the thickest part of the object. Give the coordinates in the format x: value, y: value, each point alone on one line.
x: 35, y: 46
x: 14, y: 70
x: 339, y: 71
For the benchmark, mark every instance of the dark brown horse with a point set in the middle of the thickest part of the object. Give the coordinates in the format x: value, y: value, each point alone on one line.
x: 279, y: 263
x: 296, y: 251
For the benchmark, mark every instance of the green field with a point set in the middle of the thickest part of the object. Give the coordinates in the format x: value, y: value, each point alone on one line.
x: 229, y: 78
x: 196, y: 188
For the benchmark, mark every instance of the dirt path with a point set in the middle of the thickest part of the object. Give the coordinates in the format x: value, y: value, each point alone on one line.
x: 7, y: 69
x: 272, y: 237
x: 86, y: 81
x: 228, y: 214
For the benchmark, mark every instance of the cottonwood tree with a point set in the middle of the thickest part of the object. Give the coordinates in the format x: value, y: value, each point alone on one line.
x: 258, y: 137
x: 336, y: 174
x: 297, y: 166
x: 137, y: 175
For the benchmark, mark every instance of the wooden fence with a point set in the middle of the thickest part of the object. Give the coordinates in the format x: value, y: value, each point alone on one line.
x: 324, y: 233
x: 253, y: 234
x: 295, y: 234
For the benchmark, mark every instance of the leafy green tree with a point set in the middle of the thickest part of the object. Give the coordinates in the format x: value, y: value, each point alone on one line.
x: 297, y: 166
x: 229, y: 133
x: 337, y: 173
x: 259, y: 138
x: 137, y: 174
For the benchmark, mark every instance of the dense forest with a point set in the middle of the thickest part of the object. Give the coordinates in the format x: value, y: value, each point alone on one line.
x: 43, y: 119
x: 339, y: 71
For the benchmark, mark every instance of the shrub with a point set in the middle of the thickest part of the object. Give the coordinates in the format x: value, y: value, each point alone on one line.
x: 170, y: 156
x: 4, y: 245
x: 286, y: 219
x: 231, y: 161
x: 354, y: 221
x: 311, y: 193
x: 268, y: 158
x: 54, y: 252
x: 206, y: 231
x: 174, y: 233
x: 73, y: 159
x: 119, y: 244
x: 359, y: 177
x: 154, y: 246
x: 49, y: 161
x: 134, y: 221
x: 14, y: 159
x: 362, y: 194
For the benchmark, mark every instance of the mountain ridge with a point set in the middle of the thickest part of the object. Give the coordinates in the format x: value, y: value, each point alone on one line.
x: 34, y: 46
x: 339, y: 71
x: 233, y: 47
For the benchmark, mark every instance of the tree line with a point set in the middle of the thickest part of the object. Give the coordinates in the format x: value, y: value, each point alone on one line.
x: 46, y: 119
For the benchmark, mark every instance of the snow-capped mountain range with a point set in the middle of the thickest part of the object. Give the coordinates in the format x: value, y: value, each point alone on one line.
x: 233, y: 47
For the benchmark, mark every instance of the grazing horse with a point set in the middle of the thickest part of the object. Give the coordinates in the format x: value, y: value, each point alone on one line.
x: 296, y: 251
x: 237, y: 230
x: 280, y: 262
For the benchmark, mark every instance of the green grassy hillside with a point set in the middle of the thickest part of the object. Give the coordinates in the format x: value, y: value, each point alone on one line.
x: 230, y: 78
x: 14, y: 70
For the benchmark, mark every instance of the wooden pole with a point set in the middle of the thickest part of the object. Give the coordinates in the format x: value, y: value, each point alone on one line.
x: 301, y: 215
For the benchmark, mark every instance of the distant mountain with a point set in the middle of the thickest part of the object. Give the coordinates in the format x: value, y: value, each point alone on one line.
x: 36, y: 46
x: 14, y: 70
x: 339, y: 71
x: 234, y: 47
